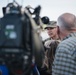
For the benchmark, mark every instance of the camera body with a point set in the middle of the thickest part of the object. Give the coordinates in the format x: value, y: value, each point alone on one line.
x: 15, y: 41
x: 20, y: 45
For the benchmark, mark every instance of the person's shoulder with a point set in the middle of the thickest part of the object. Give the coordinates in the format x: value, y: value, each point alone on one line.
x: 68, y: 45
x: 69, y: 40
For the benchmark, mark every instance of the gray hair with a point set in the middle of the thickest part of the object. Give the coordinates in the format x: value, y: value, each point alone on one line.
x: 65, y: 23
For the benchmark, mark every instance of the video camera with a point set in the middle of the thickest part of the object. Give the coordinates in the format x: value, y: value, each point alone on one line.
x: 20, y: 45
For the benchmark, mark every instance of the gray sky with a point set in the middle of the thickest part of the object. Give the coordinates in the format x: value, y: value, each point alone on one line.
x: 50, y: 8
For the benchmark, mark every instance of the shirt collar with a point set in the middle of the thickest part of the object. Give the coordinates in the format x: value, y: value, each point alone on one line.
x: 70, y: 35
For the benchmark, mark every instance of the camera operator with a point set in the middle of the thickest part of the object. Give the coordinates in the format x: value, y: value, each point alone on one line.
x: 65, y: 57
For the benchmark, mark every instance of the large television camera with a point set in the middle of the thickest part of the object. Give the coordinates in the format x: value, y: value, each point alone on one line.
x: 20, y: 45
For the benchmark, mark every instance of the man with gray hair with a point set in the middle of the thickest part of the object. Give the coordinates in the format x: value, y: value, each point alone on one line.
x: 65, y: 57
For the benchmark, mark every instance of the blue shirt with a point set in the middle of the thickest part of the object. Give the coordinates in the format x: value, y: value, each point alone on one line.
x: 65, y: 57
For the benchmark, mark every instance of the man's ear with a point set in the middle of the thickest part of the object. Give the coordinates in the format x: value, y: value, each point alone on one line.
x: 58, y: 31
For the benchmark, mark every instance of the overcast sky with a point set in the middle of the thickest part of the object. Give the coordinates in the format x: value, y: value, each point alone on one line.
x: 50, y: 8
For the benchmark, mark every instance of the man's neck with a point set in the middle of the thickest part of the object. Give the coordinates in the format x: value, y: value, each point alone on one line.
x: 55, y: 38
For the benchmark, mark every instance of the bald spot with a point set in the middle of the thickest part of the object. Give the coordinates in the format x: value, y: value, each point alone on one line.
x: 68, y: 20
